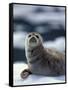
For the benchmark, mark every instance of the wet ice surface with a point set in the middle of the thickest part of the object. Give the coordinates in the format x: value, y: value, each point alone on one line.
x: 33, y: 79
x: 19, y: 39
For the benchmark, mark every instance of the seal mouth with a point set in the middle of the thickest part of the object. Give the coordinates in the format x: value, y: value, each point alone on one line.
x: 33, y: 40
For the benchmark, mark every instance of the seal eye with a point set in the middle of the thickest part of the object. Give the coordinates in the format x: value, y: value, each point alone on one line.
x: 37, y: 36
x: 29, y: 36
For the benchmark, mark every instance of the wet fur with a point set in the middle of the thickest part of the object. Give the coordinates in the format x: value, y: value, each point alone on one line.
x: 44, y: 61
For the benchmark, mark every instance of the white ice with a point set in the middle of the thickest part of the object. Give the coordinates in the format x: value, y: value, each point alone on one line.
x: 19, y: 39
x: 32, y: 79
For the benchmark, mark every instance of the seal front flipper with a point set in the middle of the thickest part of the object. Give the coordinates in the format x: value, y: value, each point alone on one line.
x: 25, y: 73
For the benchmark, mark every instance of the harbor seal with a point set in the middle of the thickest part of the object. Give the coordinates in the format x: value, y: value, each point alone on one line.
x: 42, y: 61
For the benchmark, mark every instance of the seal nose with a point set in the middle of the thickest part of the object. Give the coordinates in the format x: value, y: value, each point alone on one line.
x: 33, y: 39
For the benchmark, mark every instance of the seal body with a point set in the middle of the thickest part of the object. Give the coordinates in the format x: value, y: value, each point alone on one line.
x: 43, y: 61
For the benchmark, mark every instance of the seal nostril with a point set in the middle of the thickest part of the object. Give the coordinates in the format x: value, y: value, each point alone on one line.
x: 33, y: 39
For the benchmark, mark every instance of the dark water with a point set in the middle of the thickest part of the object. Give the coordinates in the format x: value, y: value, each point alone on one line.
x: 49, y: 32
